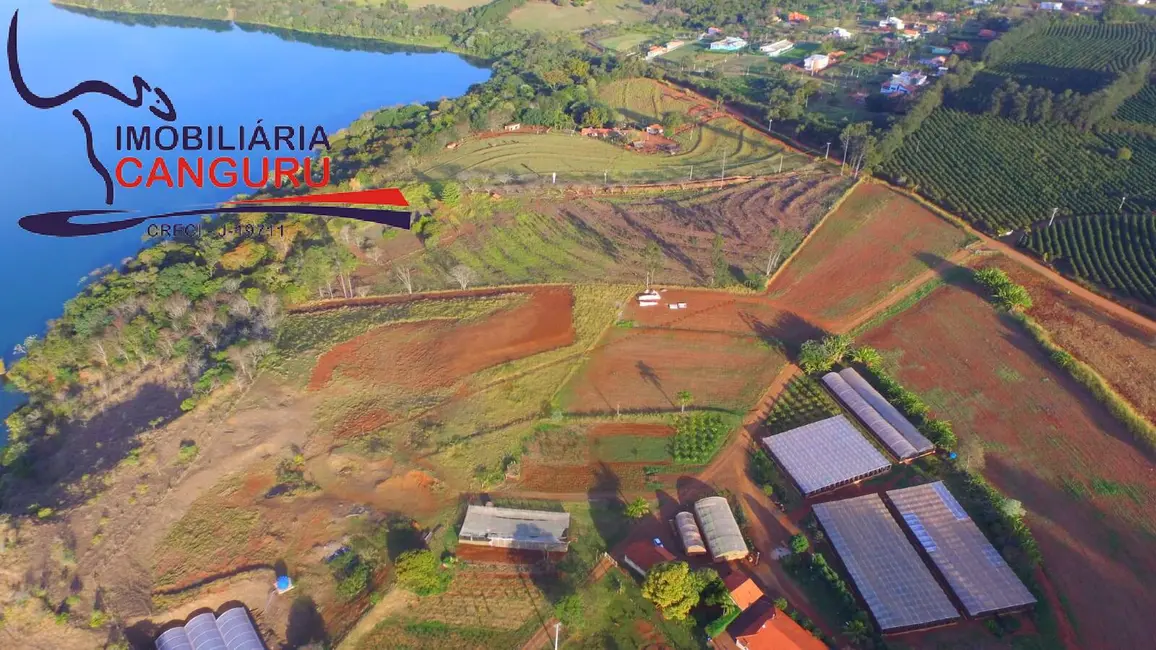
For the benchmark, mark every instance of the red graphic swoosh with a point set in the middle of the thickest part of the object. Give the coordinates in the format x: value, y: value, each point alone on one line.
x: 382, y: 196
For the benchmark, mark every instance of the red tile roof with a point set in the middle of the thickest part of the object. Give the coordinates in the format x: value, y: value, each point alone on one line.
x: 645, y: 554
x: 743, y: 590
x: 764, y: 627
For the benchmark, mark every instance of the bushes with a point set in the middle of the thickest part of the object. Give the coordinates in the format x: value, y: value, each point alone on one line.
x: 697, y: 437
x: 821, y: 356
x: 421, y: 572
x: 1004, y: 292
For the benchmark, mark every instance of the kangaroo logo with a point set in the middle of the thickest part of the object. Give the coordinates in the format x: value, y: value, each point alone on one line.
x: 161, y: 106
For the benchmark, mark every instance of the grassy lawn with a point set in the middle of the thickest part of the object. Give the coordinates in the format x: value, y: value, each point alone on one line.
x: 615, y: 615
x: 631, y: 449
x: 624, y: 42
x: 546, y: 16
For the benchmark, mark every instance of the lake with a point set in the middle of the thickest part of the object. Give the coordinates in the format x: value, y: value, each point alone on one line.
x: 214, y: 75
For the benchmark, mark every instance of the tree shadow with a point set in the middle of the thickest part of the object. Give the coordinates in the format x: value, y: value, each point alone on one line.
x: 650, y: 376
x: 787, y: 332
x: 952, y: 274
x: 91, y: 448
x: 306, y: 625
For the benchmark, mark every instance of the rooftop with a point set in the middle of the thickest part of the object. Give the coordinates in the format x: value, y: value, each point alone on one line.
x: 484, y: 522
x: 763, y: 627
x: 973, y: 568
x: 887, y: 571
x: 826, y: 454
x: 719, y: 528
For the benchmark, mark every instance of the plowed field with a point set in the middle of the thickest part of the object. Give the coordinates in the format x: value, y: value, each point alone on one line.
x: 1123, y: 353
x: 436, y: 354
x: 643, y: 370
x: 877, y: 241
x: 718, y: 311
x: 1090, y: 494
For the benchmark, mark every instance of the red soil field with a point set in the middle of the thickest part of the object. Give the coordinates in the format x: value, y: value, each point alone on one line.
x: 629, y: 429
x: 644, y: 370
x: 875, y: 242
x: 1123, y: 353
x: 1087, y: 488
x: 439, y: 353
x: 476, y: 553
x: 602, y: 477
x: 720, y: 311
x: 361, y: 423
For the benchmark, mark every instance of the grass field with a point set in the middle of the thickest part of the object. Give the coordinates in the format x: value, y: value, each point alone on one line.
x: 1045, y: 441
x: 546, y: 16
x: 875, y: 242
x: 575, y: 159
x: 624, y: 42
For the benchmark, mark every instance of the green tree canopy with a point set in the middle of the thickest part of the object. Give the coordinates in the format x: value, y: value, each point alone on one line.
x: 421, y: 572
x: 674, y: 588
x: 638, y: 508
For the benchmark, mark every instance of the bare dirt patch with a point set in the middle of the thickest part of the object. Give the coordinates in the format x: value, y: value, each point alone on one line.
x: 1123, y: 353
x: 1088, y: 490
x: 436, y: 354
x: 876, y: 241
x: 720, y: 311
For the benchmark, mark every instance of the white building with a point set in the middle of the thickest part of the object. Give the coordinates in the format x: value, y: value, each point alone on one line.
x: 816, y: 62
x: 777, y: 48
x: 1051, y: 6
x: 728, y: 44
x: 893, y: 23
x: 840, y: 33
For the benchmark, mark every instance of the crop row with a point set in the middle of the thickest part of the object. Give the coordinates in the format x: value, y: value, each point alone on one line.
x: 1111, y: 47
x: 1141, y: 107
x: 1116, y: 251
x: 1004, y: 175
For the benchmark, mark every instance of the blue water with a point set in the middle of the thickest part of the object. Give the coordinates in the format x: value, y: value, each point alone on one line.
x: 213, y: 78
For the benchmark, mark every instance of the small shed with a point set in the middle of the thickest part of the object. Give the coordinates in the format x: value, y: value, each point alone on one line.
x: 516, y: 126
x: 720, y: 530
x: 689, y: 533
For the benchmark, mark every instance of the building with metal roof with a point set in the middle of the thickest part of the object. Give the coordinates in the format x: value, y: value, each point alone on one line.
x: 888, y: 573
x: 972, y: 567
x: 720, y: 530
x: 689, y: 533
x: 232, y: 630
x: 888, y: 435
x: 535, y: 530
x: 825, y: 455
x: 896, y: 419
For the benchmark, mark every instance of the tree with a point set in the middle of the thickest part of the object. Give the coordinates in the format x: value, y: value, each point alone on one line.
x: 719, y: 260
x: 421, y: 572
x: 684, y: 397
x: 464, y: 275
x: 820, y: 356
x: 245, y: 359
x: 867, y: 356
x: 638, y: 508
x: 450, y: 193
x: 674, y: 588
x: 1124, y: 153
x: 653, y: 259
x: 405, y: 275
x: 856, y: 631
x: 800, y: 544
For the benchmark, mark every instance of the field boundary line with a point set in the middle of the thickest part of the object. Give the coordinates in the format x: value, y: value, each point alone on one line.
x: 806, y: 238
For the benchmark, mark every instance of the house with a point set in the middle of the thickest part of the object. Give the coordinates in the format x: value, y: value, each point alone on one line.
x: 654, y: 129
x: 796, y: 17
x: 593, y: 132
x: 535, y: 530
x: 933, y: 62
x: 1051, y: 6
x: 744, y: 592
x: 987, y: 34
x: 903, y: 83
x: 728, y: 44
x: 816, y: 62
x: 893, y: 23
x: 777, y: 48
x: 910, y: 35
x: 941, y: 50
x: 512, y: 127
x: 764, y: 627
x: 655, y: 51
x: 643, y: 554
x: 719, y: 528
x: 840, y: 33
x: 713, y: 31
x: 962, y: 47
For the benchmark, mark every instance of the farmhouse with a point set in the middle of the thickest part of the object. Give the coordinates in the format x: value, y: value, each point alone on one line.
x: 763, y: 627
x: 743, y: 591
x: 655, y: 51
x: 719, y: 528
x: 777, y: 48
x: 533, y: 530
x: 689, y: 533
x: 728, y: 44
x: 840, y: 33
x: 642, y: 554
x: 816, y: 62
x: 232, y: 630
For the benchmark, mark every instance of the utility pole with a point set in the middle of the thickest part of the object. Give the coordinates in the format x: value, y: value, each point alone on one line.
x: 554, y: 179
x: 780, y: 163
x: 557, y: 629
x: 1054, y: 211
x: 828, y: 152
x: 770, y: 125
x: 692, y: 172
x: 724, y: 167
x: 1122, y: 199
x: 605, y: 173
